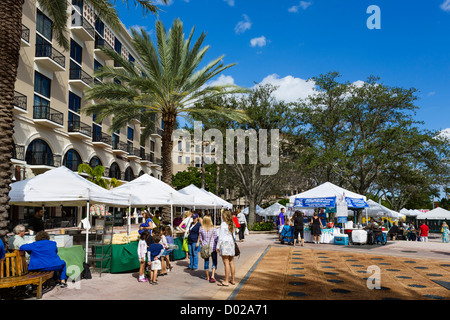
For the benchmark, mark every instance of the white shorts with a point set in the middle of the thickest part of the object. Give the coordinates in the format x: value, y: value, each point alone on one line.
x: 156, y: 265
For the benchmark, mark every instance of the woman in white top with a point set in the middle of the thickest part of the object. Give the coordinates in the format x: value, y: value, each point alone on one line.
x: 225, y: 246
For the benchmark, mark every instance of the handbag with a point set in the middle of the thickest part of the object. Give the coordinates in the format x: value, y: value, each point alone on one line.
x: 205, y: 251
x: 185, y: 245
x: 237, y: 252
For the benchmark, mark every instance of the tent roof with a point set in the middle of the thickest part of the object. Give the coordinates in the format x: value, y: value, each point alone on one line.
x: 326, y: 190
x: 219, y: 201
x: 61, y: 186
x: 199, y: 198
x: 435, y: 214
x: 273, y: 210
x: 258, y: 210
x: 149, y: 191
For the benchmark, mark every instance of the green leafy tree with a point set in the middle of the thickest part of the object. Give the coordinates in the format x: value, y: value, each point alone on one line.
x: 95, y: 175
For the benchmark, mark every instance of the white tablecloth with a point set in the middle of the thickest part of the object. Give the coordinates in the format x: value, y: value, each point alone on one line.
x: 327, y: 235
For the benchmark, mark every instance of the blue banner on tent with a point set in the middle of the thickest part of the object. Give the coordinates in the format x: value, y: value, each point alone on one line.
x: 356, y: 203
x: 315, y: 202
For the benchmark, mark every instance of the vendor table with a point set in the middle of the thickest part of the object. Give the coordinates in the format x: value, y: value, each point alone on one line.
x: 327, y: 235
x: 124, y: 257
x: 74, y: 258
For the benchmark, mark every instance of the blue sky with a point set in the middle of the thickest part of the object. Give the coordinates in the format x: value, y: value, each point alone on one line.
x: 286, y: 42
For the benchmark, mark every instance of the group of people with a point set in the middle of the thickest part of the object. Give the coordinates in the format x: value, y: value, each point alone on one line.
x: 154, y: 248
x: 201, y: 237
x: 297, y: 221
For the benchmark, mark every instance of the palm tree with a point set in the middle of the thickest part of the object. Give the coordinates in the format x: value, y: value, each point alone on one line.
x: 95, y: 175
x: 10, y: 35
x: 168, y: 84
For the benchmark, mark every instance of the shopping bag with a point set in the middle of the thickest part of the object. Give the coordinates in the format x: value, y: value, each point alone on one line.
x: 185, y: 245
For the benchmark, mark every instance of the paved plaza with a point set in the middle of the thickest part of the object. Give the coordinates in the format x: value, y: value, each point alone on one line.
x: 268, y: 270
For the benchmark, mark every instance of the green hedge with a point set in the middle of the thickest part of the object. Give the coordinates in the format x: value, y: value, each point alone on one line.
x: 262, y: 226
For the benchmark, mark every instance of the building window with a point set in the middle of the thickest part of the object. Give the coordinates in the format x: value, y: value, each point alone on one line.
x: 130, y: 133
x: 72, y: 160
x: 114, y: 171
x: 44, y: 25
x: 180, y: 146
x: 129, y: 175
x: 131, y: 59
x: 180, y: 159
x: 96, y: 132
x: 188, y: 146
x: 95, y: 161
x: 39, y: 153
x: 78, y: 4
x: 99, y: 26
x: 74, y: 102
x: 117, y: 46
x: 76, y: 51
x: 42, y: 84
x: 188, y: 160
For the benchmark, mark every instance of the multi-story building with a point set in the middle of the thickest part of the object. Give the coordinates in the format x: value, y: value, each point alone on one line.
x: 185, y: 154
x: 50, y: 128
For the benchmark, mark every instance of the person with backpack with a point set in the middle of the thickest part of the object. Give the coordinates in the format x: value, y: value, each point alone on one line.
x: 208, y: 240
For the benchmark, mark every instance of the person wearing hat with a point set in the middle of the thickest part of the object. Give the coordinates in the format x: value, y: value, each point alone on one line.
x: 193, y: 242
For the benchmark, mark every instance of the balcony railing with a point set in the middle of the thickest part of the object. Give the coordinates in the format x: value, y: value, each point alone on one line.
x: 119, y: 145
x: 20, y: 100
x: 82, y: 22
x: 101, y: 43
x: 79, y: 74
x: 25, y: 34
x: 159, y: 161
x: 46, y: 50
x: 78, y: 126
x: 19, y: 153
x: 43, y: 158
x: 104, y: 138
x: 133, y: 151
x: 47, y: 113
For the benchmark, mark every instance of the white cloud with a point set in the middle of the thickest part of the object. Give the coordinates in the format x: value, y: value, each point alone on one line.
x: 230, y: 2
x: 303, y: 4
x: 446, y: 6
x: 222, y: 80
x: 258, y: 42
x: 289, y: 89
x: 432, y: 93
x: 243, y: 25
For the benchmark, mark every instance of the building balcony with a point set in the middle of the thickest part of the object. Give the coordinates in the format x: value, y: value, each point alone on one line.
x: 19, y: 153
x: 48, y: 117
x: 102, y: 140
x: 145, y: 157
x: 42, y: 161
x: 20, y: 103
x: 157, y: 162
x: 80, y: 79
x: 82, y: 28
x: 133, y: 153
x: 101, y: 43
x: 119, y: 147
x: 79, y: 130
x: 158, y: 133
x: 50, y: 58
x: 25, y: 38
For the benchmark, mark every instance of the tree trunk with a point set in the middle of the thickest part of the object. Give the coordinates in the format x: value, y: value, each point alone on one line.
x: 10, y: 34
x: 252, y: 210
x: 169, y: 120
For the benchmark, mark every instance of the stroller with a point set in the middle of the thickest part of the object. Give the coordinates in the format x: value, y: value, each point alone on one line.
x: 287, y: 234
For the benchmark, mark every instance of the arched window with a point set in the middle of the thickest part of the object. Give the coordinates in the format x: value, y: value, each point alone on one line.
x: 114, y: 171
x: 129, y: 175
x: 72, y: 160
x: 95, y: 161
x: 39, y: 153
x: 141, y: 173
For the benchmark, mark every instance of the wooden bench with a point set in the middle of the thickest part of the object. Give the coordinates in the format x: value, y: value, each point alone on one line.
x: 14, y: 272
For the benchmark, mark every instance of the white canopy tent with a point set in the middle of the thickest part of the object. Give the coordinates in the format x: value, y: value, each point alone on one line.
x: 273, y: 210
x: 219, y: 200
x: 377, y: 210
x: 149, y: 191
x: 202, y: 199
x: 329, y: 195
x: 258, y: 210
x: 62, y: 186
x: 435, y: 214
x: 410, y: 212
